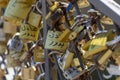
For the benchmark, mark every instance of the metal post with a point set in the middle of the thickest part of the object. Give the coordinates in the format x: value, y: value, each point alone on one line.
x: 47, y: 61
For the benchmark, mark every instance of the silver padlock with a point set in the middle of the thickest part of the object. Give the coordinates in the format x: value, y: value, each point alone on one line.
x: 15, y: 43
x: 72, y: 73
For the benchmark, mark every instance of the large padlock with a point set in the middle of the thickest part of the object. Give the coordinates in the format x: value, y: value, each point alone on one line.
x: 52, y: 42
x: 98, y: 44
x: 15, y: 43
x: 66, y: 60
x: 106, y: 20
x: 34, y: 18
x: 16, y: 8
x: 28, y: 73
x: 39, y: 54
x: 28, y: 32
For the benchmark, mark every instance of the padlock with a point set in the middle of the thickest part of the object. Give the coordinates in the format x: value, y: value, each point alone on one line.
x: 75, y: 62
x: 38, y: 54
x: 66, y: 60
x: 16, y: 8
x: 9, y: 28
x: 3, y: 3
x: 52, y: 9
x: 74, y: 34
x: 52, y: 42
x: 15, y: 43
x: 105, y: 57
x: 28, y: 32
x: 28, y: 73
x: 98, y: 44
x: 106, y: 20
x: 34, y: 18
x: 83, y: 3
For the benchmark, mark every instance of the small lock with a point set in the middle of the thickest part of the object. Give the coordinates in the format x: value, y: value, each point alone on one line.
x: 38, y: 54
x: 105, y: 57
x: 74, y: 34
x: 28, y: 73
x: 15, y: 43
x: 34, y: 18
x: 83, y: 3
x: 71, y: 73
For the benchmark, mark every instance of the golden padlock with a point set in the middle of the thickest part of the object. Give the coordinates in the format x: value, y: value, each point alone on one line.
x: 73, y: 35
x: 75, y: 62
x: 38, y: 54
x: 28, y: 73
x: 3, y: 3
x: 53, y: 43
x: 28, y: 32
x: 34, y: 19
x: 15, y: 9
x: 67, y: 60
x: 83, y: 3
x: 98, y: 44
x: 105, y: 57
x: 107, y: 20
x: 64, y: 37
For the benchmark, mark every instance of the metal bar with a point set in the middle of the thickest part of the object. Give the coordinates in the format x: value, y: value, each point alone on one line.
x: 47, y: 61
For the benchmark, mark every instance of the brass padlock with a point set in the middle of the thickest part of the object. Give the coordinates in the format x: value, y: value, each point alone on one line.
x: 83, y: 3
x: 52, y: 42
x: 16, y: 8
x: 105, y: 57
x: 28, y: 73
x: 74, y: 34
x: 34, y: 18
x: 28, y: 32
x: 38, y: 54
